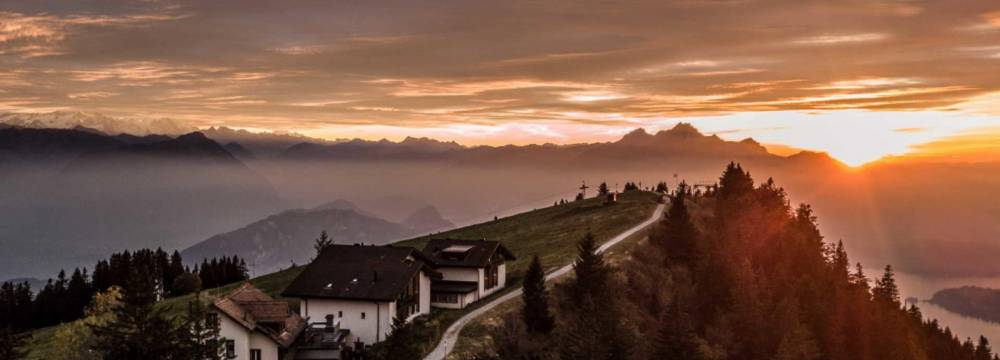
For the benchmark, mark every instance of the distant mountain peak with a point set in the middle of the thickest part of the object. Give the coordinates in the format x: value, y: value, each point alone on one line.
x: 637, y: 134
x: 427, y: 218
x: 682, y: 129
x: 98, y: 122
x: 195, y: 136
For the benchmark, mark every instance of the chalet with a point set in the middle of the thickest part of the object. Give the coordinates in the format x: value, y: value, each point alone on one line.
x: 361, y: 289
x: 470, y: 270
x: 256, y: 327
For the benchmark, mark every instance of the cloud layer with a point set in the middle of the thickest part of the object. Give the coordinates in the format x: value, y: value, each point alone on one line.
x: 314, y: 65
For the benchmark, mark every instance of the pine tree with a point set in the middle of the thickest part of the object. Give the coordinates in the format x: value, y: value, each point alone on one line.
x: 590, y: 269
x: 175, y: 267
x: 401, y: 344
x: 859, y: 279
x: 203, y: 341
x: 661, y: 187
x: 983, y: 350
x: 78, y: 295
x: 11, y: 344
x: 139, y: 330
x: 839, y: 262
x: 734, y: 182
x: 186, y: 283
x: 322, y: 242
x: 602, y: 189
x: 885, y: 289
x: 591, y: 313
x: 675, y: 339
x: 678, y: 237
x: 536, y: 300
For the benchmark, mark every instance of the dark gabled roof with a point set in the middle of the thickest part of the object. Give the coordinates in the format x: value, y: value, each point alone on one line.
x: 477, y: 256
x: 249, y: 307
x: 454, y: 287
x: 358, y: 272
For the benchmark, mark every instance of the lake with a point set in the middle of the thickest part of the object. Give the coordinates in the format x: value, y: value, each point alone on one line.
x: 923, y: 288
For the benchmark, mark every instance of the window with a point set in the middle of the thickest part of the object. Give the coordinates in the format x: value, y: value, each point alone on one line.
x: 445, y: 298
x: 340, y: 314
x: 255, y: 354
x: 362, y: 315
x: 230, y: 349
x: 492, y: 276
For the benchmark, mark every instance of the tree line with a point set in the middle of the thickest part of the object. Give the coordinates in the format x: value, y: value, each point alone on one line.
x: 125, y: 324
x: 65, y: 298
x: 732, y: 273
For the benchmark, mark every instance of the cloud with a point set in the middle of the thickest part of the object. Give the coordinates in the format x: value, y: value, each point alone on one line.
x: 320, y: 65
x: 31, y: 36
x: 92, y: 95
x: 840, y: 39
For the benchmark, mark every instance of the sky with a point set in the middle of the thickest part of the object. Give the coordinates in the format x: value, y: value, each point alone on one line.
x: 860, y: 79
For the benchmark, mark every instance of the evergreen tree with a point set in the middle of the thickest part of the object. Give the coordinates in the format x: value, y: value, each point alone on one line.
x: 78, y: 295
x: 858, y: 278
x: 675, y: 339
x: 186, y: 283
x: 661, y: 187
x: 677, y: 236
x: 602, y: 189
x: 536, y: 300
x: 592, y: 319
x: 11, y: 344
x: 839, y: 262
x: 590, y: 269
x: 983, y: 350
x: 402, y: 343
x: 734, y: 182
x: 203, y: 341
x: 175, y: 267
x: 885, y: 289
x: 322, y: 242
x: 138, y: 329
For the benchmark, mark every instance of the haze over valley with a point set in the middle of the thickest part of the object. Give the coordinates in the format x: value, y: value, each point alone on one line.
x: 939, y: 221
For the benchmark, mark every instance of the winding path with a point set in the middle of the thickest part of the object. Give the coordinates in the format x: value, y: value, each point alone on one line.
x: 450, y: 337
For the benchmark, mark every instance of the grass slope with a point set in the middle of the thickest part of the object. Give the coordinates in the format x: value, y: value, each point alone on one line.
x: 551, y: 233
x: 477, y: 336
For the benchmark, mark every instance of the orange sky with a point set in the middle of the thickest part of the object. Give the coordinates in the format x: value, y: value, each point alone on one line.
x: 860, y: 79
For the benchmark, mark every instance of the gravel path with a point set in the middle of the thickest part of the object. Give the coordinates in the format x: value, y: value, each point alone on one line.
x: 447, y: 343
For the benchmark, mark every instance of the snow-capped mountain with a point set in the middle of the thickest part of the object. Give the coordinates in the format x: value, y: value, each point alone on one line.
x: 96, y: 121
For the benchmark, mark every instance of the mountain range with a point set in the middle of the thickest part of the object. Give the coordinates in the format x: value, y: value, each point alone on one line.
x: 98, y: 122
x: 72, y: 196
x: 173, y: 191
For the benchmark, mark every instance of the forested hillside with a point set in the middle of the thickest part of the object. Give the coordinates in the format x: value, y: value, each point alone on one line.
x: 973, y: 301
x: 733, y: 273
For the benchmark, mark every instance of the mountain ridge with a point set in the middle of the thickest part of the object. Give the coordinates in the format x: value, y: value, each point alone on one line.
x: 286, y: 238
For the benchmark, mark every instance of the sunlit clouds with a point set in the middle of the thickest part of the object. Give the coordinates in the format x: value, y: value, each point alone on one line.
x: 513, y: 72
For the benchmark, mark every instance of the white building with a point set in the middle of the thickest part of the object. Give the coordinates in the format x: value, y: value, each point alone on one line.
x: 254, y: 326
x: 470, y: 270
x: 364, y: 288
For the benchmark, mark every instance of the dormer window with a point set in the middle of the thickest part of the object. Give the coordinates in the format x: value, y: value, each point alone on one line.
x: 456, y: 252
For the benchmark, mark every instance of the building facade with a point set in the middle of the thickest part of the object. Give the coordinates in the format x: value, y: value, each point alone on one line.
x: 254, y: 326
x: 363, y: 288
x: 470, y: 270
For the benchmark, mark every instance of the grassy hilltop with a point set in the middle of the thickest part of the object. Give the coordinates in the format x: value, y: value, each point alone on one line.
x: 551, y: 233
